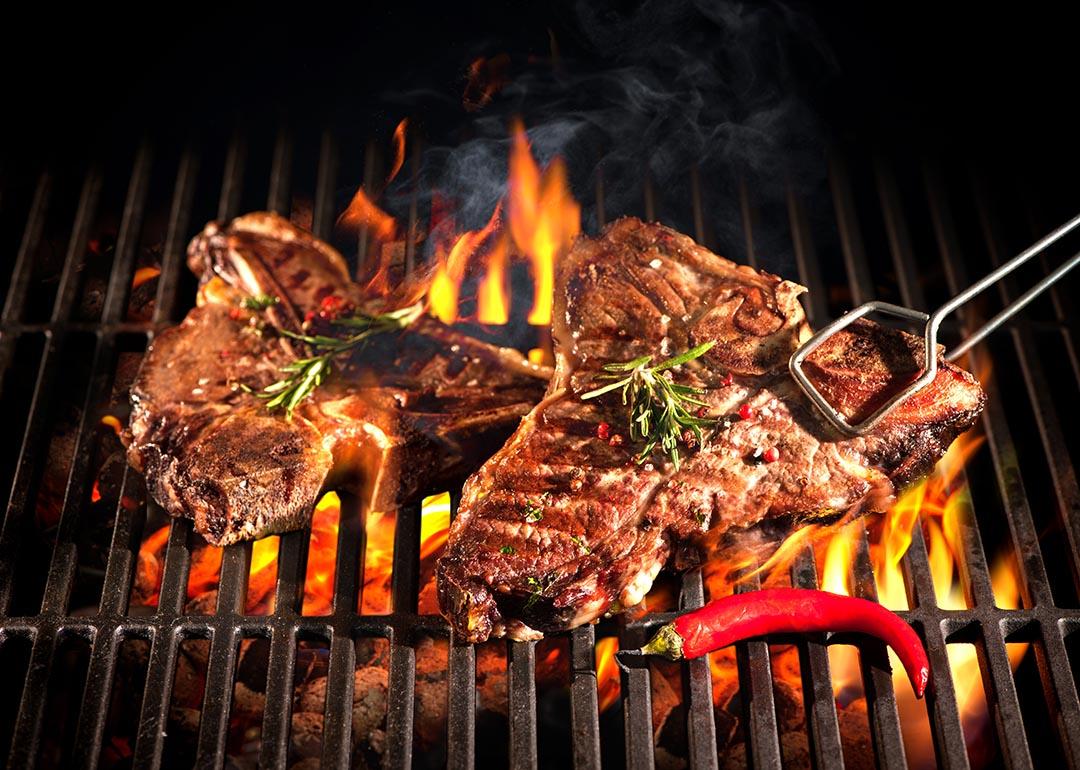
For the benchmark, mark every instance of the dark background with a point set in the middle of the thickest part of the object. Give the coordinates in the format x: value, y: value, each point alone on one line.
x: 1002, y: 76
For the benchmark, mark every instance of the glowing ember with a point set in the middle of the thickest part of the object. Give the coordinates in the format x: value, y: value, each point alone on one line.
x: 144, y: 274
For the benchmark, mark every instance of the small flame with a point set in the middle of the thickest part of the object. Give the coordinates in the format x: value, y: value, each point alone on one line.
x: 544, y: 219
x: 446, y: 283
x: 112, y: 422
x: 144, y: 274
x: 399, y: 150
x: 362, y: 212
x: 95, y: 492
x: 492, y: 300
x: 486, y: 77
x: 607, y: 672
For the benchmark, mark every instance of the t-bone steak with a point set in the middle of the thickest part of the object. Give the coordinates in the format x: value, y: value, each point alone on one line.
x: 412, y: 412
x: 561, y: 526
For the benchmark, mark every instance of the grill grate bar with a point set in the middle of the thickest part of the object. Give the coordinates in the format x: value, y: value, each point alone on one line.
x: 26, y: 738
x: 806, y: 259
x: 461, y: 712
x: 636, y: 694
x: 400, y: 704
x: 95, y: 702
x: 277, y: 200
x: 233, y: 180
x: 756, y: 689
x: 876, y: 672
x: 322, y: 216
x: 851, y: 240
x: 404, y: 585
x: 23, y: 269
x: 340, y: 682
x: 172, y: 258
x: 521, y: 687
x: 584, y: 708
x: 292, y: 560
x: 697, y: 690
x: 819, y: 703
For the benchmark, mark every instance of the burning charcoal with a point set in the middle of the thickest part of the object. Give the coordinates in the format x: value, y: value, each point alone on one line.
x: 305, y: 738
x: 369, y: 701
x: 247, y: 704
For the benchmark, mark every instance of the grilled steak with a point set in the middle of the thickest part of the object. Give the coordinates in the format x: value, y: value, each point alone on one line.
x: 413, y: 411
x: 560, y: 526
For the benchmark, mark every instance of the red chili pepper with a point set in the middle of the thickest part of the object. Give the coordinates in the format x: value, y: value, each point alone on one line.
x: 785, y: 611
x: 603, y: 431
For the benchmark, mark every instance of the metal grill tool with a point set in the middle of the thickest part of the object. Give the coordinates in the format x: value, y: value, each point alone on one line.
x: 932, y: 323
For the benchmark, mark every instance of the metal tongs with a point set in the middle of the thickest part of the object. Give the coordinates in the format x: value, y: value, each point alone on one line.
x: 933, y: 323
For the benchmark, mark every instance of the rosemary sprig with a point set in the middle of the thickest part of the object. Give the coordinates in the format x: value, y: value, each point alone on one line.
x: 307, y: 374
x: 259, y: 302
x: 660, y: 409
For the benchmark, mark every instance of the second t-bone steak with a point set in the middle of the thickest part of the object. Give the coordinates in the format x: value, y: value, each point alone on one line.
x: 562, y: 524
x: 414, y: 411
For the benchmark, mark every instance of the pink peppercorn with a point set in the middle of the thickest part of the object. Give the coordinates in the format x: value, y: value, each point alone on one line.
x: 772, y: 454
x: 746, y: 412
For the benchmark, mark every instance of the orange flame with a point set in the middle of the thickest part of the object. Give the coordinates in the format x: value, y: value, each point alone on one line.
x: 399, y: 150
x: 607, y: 672
x: 144, y: 274
x: 446, y: 283
x: 486, y: 77
x: 112, y: 422
x: 362, y: 212
x: 544, y: 219
x: 492, y: 301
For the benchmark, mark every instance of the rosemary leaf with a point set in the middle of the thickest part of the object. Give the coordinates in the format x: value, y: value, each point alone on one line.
x: 305, y: 375
x: 659, y: 409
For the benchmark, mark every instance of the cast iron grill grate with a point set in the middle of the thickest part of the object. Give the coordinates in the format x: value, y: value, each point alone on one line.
x: 1048, y: 619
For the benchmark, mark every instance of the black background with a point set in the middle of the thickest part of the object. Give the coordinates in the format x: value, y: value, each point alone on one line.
x: 1002, y: 76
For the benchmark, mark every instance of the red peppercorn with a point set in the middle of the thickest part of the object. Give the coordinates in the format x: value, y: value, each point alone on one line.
x: 746, y: 411
x: 728, y: 379
x: 702, y: 411
x: 772, y: 454
x: 235, y: 314
x: 616, y: 440
x: 603, y: 431
x: 309, y: 316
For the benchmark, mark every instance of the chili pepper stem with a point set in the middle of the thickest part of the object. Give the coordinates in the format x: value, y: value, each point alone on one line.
x: 666, y: 643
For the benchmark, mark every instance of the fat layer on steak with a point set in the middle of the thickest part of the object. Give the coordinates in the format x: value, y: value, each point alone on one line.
x: 560, y: 526
x: 413, y: 412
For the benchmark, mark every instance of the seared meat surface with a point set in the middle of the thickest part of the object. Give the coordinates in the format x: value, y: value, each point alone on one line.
x: 560, y: 526
x: 414, y: 411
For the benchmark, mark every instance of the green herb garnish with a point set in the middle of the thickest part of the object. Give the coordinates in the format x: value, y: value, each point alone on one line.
x: 307, y: 374
x: 533, y: 512
x: 659, y: 407
x: 259, y: 302
x: 580, y: 543
x: 536, y: 591
x: 507, y: 549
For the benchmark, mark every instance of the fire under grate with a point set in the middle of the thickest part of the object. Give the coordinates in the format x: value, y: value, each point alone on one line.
x: 1024, y: 488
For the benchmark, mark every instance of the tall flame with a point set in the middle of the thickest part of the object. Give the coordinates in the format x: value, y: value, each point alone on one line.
x: 492, y: 302
x: 450, y: 271
x: 544, y: 219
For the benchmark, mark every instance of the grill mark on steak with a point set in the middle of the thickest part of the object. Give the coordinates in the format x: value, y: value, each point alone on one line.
x: 643, y: 289
x: 412, y: 412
